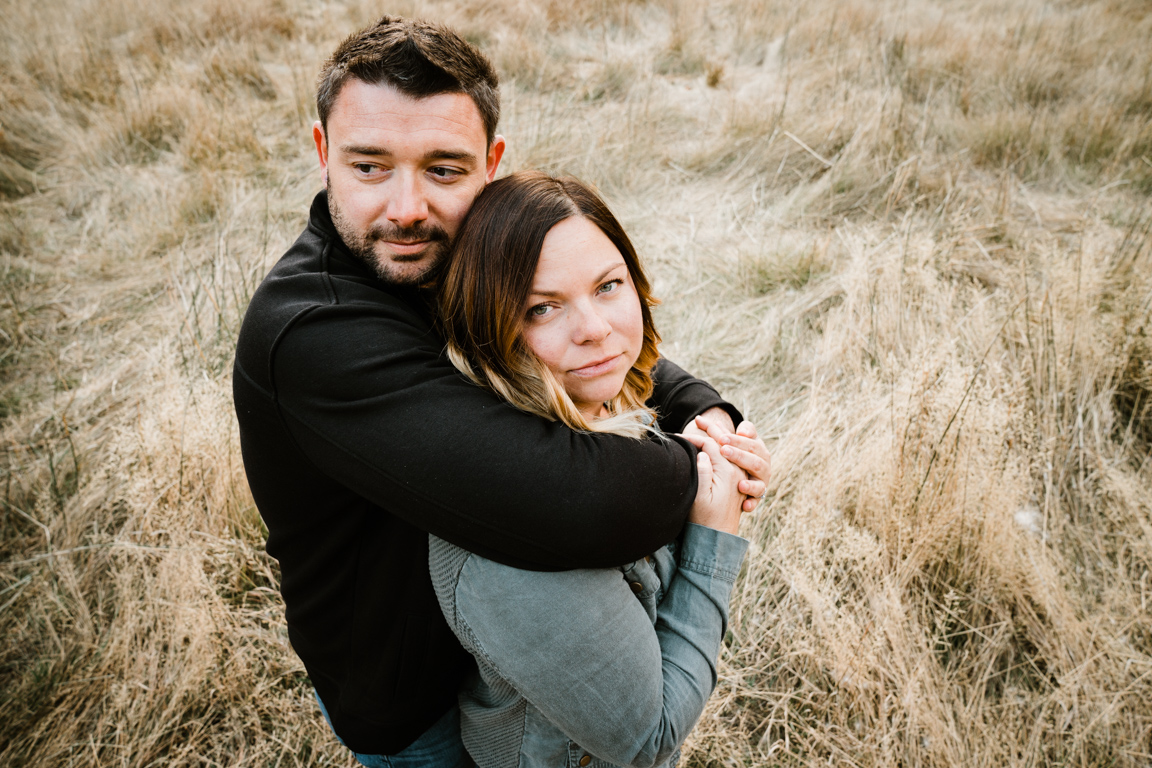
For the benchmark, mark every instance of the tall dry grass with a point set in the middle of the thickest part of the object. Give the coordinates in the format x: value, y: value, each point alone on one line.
x: 911, y: 240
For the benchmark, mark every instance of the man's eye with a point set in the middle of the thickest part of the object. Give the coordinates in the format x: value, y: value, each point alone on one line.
x: 364, y: 167
x: 441, y: 172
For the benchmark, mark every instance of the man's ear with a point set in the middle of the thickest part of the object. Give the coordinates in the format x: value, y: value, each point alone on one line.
x: 495, y: 152
x: 322, y: 150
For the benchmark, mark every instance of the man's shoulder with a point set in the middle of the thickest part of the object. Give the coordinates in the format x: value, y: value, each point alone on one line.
x: 317, y: 286
x: 297, y: 283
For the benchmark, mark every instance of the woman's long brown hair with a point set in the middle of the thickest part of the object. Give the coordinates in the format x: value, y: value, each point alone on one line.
x: 484, y: 291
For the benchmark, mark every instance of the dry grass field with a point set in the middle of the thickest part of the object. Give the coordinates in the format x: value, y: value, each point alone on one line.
x: 912, y: 240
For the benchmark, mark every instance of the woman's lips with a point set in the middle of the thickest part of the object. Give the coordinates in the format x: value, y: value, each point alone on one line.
x: 597, y: 368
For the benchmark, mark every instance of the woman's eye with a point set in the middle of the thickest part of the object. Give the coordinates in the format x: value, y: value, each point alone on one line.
x: 540, y: 310
x: 610, y: 286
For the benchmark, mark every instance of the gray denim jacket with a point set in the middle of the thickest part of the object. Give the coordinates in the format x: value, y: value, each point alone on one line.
x: 588, y: 668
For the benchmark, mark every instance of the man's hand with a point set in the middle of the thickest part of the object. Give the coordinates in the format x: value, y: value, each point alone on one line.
x: 719, y: 417
x: 742, y: 447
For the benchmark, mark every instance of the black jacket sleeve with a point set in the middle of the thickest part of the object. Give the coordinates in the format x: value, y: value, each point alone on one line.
x: 372, y: 401
x: 679, y: 398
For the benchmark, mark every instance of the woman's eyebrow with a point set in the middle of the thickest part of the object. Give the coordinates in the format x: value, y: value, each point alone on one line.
x: 602, y: 275
x: 610, y: 270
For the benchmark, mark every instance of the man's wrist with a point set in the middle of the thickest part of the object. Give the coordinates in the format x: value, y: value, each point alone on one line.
x: 720, y: 416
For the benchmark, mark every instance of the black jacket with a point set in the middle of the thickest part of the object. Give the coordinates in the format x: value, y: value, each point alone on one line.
x: 359, y: 438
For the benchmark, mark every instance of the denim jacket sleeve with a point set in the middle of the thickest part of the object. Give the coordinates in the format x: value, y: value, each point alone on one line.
x: 581, y: 648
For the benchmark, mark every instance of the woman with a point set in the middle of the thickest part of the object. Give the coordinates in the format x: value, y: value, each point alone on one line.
x: 545, y: 303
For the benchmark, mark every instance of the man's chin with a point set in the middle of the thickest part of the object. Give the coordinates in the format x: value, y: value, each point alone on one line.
x: 407, y: 269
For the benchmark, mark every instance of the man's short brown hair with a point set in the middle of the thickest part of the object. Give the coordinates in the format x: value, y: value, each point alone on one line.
x: 415, y: 57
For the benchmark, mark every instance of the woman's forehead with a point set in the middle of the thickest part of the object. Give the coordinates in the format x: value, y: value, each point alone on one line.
x: 575, y: 251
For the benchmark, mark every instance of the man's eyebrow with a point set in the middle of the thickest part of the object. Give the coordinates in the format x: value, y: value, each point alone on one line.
x: 603, y: 275
x: 451, y: 154
x: 359, y: 149
x: 436, y: 154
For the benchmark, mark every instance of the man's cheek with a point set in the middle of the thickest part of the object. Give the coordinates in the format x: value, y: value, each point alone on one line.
x: 454, y: 217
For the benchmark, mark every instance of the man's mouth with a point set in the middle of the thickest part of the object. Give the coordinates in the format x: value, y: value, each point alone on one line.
x: 408, y: 243
x: 406, y: 247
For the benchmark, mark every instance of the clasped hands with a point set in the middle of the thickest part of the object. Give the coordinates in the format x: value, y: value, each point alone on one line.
x: 712, y: 433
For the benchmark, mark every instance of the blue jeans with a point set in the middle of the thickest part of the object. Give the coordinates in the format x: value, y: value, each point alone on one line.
x: 438, y: 747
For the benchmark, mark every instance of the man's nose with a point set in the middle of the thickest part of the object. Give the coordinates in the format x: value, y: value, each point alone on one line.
x: 591, y: 326
x: 407, y: 204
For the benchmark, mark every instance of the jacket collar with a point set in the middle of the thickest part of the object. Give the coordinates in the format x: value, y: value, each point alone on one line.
x: 320, y: 219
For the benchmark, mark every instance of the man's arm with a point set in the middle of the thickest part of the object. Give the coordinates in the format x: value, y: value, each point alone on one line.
x: 371, y: 401
x: 678, y: 397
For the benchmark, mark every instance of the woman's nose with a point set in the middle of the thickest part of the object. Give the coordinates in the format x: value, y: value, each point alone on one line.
x: 591, y: 327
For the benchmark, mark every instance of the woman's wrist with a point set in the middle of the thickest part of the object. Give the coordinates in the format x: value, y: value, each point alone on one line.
x: 712, y: 551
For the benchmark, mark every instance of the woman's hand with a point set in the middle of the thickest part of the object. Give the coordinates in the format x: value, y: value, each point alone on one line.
x: 718, y: 497
x: 744, y: 449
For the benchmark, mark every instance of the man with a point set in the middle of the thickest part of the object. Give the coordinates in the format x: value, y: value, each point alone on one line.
x: 359, y: 437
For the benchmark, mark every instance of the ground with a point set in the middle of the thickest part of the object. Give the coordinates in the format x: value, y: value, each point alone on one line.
x: 910, y: 240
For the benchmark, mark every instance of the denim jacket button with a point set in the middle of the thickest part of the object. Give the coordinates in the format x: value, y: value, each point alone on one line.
x: 585, y: 760
x: 637, y: 587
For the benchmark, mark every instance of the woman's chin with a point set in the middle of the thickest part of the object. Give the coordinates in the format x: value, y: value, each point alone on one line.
x: 591, y: 399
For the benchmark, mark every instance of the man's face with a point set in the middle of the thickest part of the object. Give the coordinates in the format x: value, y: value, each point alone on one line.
x: 401, y: 173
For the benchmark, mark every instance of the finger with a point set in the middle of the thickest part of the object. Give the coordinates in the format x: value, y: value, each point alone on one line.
x: 753, y: 488
x: 702, y: 423
x: 749, y: 505
x: 712, y: 448
x: 692, y: 429
x: 715, y: 429
x: 704, y: 469
x: 750, y: 444
x: 695, y: 438
x: 709, y: 446
x: 756, y: 466
x: 720, y: 418
x: 747, y: 429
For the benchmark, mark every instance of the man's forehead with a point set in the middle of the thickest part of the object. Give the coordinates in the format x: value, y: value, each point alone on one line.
x: 369, y: 107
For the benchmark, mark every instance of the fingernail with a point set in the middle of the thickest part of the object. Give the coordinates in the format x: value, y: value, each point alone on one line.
x: 725, y: 451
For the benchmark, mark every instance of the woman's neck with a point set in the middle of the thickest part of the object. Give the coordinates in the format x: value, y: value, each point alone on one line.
x: 592, y: 411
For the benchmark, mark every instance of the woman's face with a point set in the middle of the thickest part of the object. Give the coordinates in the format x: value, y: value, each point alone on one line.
x: 583, y: 316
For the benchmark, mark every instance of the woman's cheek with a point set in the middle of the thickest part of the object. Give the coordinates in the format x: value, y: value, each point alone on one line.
x: 546, y: 343
x: 633, y: 324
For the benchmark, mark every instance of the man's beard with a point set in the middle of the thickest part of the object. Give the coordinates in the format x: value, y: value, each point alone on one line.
x: 388, y: 269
